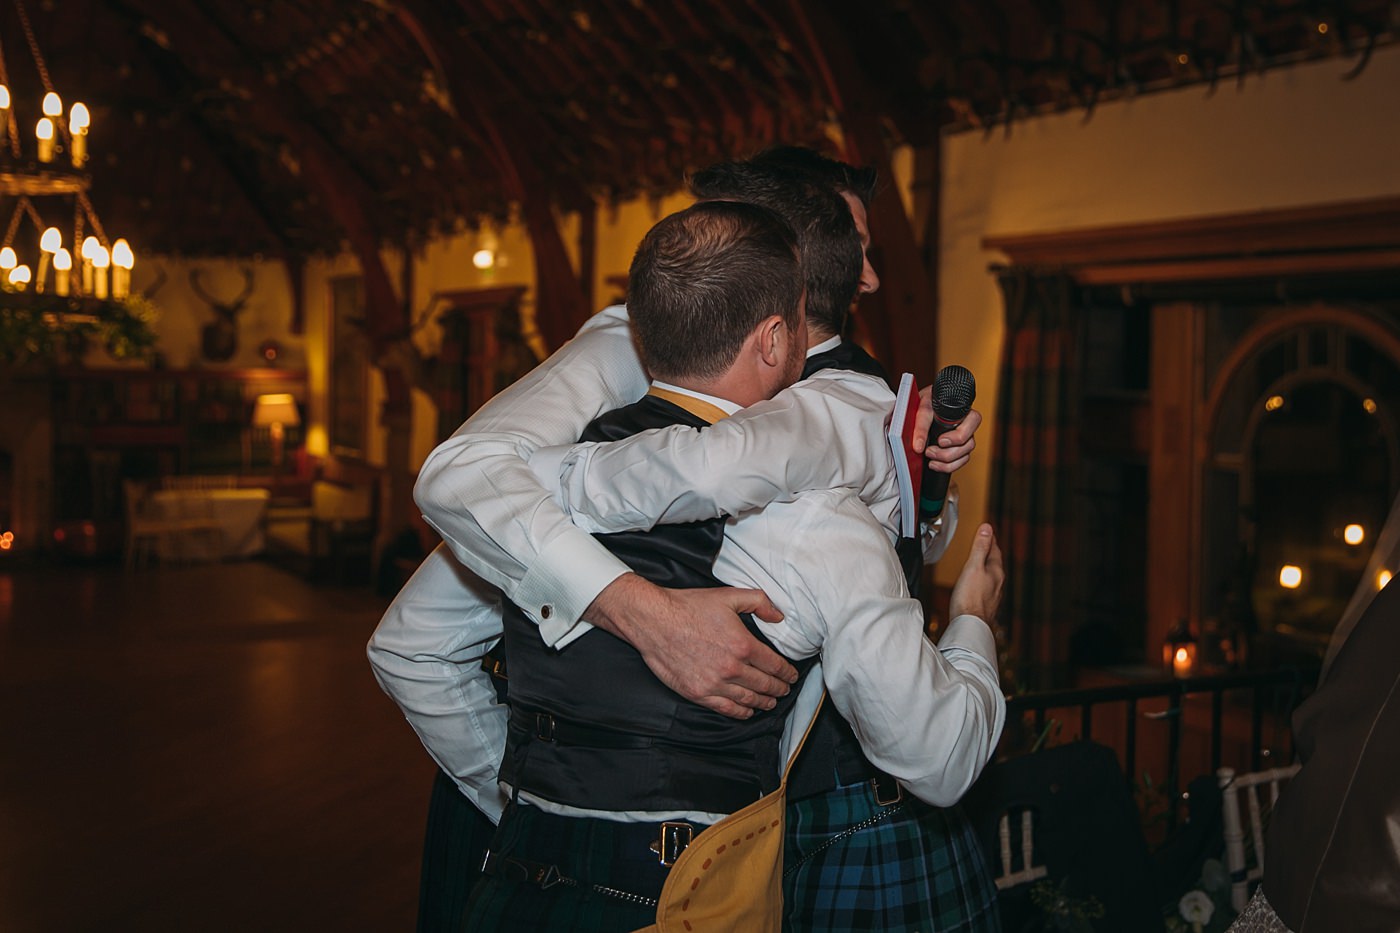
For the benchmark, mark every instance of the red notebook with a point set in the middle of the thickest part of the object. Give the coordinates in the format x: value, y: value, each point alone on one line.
x: 908, y: 463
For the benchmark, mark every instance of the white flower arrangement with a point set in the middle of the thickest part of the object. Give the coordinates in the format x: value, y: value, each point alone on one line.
x: 1196, y: 908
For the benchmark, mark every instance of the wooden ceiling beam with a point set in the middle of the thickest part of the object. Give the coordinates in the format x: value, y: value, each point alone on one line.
x: 559, y: 298
x: 708, y: 116
x: 905, y: 335
x: 205, y: 50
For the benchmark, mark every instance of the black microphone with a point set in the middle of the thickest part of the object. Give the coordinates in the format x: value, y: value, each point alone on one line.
x: 953, y: 392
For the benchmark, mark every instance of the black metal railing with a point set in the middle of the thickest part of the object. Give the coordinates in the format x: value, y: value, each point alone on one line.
x: 1284, y: 690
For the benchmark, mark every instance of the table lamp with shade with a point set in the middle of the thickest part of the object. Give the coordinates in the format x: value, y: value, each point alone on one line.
x: 275, y: 412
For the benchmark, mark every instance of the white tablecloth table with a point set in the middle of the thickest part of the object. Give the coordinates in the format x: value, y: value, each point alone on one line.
x: 238, y: 513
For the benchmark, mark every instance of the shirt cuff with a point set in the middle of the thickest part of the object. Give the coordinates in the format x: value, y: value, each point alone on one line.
x: 565, y: 579
x: 972, y: 634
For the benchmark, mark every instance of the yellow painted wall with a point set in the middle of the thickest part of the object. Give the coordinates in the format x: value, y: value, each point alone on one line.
x: 1295, y: 136
x: 443, y: 265
x: 183, y: 313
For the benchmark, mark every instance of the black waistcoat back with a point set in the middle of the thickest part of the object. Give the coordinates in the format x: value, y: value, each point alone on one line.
x: 591, y: 727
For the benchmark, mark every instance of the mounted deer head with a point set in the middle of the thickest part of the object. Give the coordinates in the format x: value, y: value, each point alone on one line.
x: 149, y: 292
x: 219, y: 338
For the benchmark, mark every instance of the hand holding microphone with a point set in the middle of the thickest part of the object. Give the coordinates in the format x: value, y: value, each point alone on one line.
x: 954, y: 390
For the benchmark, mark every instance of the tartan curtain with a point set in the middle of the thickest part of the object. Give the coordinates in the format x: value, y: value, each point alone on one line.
x: 1031, y: 494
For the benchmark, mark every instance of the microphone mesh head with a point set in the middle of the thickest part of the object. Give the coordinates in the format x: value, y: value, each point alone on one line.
x: 953, y: 392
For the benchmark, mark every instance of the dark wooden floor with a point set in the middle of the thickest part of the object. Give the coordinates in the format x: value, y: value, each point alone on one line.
x: 200, y: 748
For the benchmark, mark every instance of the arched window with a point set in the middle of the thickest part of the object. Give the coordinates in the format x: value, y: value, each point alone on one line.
x: 1302, y: 464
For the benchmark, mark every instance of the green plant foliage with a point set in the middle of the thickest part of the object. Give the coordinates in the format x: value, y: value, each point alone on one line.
x: 1063, y: 912
x: 48, y: 329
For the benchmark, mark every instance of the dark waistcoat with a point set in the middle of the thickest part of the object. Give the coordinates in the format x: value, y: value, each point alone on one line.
x: 592, y: 727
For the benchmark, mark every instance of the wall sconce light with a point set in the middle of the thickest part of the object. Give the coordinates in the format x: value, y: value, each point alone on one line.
x: 1353, y: 534
x: 1290, y: 576
x: 276, y: 412
x: 487, y: 252
x: 270, y: 350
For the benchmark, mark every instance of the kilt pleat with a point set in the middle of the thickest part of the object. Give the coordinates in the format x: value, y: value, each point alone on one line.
x: 850, y: 864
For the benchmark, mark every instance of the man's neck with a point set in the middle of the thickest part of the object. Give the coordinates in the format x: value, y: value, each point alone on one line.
x: 735, y: 387
x: 819, y: 341
x: 718, y: 401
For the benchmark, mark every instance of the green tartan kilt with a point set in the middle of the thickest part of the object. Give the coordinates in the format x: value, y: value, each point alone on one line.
x: 850, y: 864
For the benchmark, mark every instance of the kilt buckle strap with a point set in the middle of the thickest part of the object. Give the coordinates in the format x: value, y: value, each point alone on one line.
x: 674, y: 839
x: 547, y: 876
x: 515, y: 869
x: 888, y: 791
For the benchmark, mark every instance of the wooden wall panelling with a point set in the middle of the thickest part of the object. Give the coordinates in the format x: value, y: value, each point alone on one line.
x: 1174, y: 473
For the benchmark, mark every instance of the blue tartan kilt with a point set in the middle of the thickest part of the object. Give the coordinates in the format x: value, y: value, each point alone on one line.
x: 851, y: 864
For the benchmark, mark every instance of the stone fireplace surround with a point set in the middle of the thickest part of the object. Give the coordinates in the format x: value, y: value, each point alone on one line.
x: 26, y: 434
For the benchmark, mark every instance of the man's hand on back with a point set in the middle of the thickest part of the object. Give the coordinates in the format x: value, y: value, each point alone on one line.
x: 695, y: 643
x: 978, y: 590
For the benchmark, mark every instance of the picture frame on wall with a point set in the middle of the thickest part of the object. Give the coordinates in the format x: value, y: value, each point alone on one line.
x: 349, y: 370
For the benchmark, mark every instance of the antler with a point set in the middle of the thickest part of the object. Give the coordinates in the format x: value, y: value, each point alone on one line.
x: 247, y: 287
x: 226, y: 308
x: 149, y: 292
x: 199, y: 289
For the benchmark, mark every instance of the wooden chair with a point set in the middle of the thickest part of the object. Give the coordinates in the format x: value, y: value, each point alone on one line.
x: 1064, y: 816
x: 1232, y: 787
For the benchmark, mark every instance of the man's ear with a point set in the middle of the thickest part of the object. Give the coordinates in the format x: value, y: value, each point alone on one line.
x: 772, y: 340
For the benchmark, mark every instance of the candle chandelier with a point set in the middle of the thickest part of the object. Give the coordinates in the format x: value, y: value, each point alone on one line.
x: 52, y: 169
x: 59, y: 283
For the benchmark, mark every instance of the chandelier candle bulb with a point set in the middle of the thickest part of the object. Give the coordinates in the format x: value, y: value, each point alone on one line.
x: 44, y: 132
x: 90, y: 245
x: 122, y: 261
x: 4, y: 106
x: 49, y: 243
x: 8, y: 259
x: 53, y: 106
x: 78, y: 122
x: 19, y: 277
x: 101, y: 260
x: 62, y: 269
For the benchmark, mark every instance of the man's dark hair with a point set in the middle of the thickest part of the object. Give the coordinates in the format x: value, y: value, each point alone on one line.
x: 826, y: 234
x: 842, y: 176
x: 703, y: 279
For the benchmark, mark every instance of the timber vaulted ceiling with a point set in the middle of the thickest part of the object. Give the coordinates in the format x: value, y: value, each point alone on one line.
x: 291, y: 127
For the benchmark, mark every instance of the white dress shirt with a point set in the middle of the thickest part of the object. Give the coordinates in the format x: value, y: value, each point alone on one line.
x: 494, y: 515
x: 478, y: 492
x: 493, y: 511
